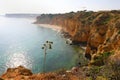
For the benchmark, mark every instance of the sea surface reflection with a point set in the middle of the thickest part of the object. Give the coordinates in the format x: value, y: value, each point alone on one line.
x: 21, y: 42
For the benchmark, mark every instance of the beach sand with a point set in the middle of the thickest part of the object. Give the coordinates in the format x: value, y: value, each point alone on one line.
x: 54, y: 27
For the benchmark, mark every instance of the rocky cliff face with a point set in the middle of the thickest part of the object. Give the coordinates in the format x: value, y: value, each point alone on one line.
x: 100, y: 31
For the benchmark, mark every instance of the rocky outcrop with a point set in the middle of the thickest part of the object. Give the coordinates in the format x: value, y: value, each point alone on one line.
x: 21, y: 73
x: 100, y: 31
x: 16, y: 73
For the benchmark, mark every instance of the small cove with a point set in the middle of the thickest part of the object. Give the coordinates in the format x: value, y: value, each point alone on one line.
x: 21, y: 42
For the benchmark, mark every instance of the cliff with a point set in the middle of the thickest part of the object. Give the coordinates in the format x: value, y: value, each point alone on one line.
x: 99, y: 31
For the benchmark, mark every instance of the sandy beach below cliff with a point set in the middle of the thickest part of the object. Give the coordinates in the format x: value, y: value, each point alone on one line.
x: 54, y: 27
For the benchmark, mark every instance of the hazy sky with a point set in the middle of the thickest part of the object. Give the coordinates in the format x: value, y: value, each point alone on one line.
x: 55, y: 6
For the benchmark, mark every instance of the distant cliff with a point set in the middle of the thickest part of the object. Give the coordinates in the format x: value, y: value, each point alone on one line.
x: 100, y: 31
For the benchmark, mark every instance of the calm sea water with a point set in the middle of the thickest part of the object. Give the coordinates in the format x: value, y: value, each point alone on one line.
x: 21, y: 42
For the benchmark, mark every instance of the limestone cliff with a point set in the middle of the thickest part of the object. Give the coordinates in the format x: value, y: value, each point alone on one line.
x: 100, y: 31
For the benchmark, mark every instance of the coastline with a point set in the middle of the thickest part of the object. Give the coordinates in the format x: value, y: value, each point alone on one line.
x: 53, y: 27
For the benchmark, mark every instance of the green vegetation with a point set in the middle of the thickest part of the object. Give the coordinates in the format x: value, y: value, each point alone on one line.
x: 109, y: 71
x: 93, y: 72
x: 102, y: 19
x: 101, y: 58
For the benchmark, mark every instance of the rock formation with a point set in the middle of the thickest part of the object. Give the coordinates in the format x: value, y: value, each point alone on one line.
x: 16, y: 73
x: 21, y: 73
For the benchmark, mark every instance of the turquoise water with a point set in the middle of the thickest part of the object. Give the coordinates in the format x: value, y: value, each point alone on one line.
x: 21, y: 42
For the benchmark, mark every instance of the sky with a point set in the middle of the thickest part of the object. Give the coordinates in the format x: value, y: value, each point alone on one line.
x: 56, y: 6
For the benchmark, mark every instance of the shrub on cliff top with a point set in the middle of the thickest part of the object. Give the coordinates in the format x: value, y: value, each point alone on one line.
x: 111, y: 71
x: 102, y: 19
x: 100, y: 59
x: 92, y: 72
